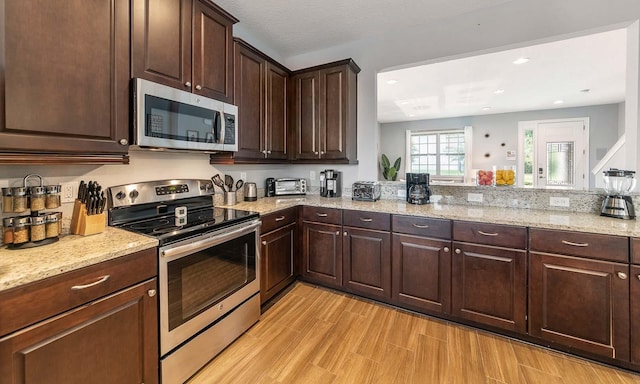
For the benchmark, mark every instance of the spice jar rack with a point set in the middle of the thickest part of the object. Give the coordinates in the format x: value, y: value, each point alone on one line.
x: 37, y: 228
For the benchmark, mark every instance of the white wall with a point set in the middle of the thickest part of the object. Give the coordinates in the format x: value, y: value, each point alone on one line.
x: 516, y: 23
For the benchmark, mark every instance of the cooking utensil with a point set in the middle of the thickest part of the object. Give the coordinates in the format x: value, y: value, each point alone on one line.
x: 239, y: 184
x: 217, y: 180
x: 228, y: 180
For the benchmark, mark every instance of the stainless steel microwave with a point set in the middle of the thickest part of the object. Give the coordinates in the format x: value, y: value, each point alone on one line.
x: 169, y: 118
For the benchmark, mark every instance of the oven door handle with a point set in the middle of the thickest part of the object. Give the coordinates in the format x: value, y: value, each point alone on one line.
x: 178, y: 251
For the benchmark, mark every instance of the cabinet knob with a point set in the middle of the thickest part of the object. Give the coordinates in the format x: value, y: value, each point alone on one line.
x: 198, y: 87
x: 187, y: 84
x: 264, y: 242
x: 123, y: 141
x: 458, y: 251
x: 321, y: 153
x: 151, y: 292
x: 345, y: 233
x: 338, y: 233
x: 316, y: 152
x: 446, y: 249
x: 622, y: 275
x: 638, y: 276
x: 269, y: 152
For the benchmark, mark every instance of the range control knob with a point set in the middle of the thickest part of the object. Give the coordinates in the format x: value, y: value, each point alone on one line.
x: 120, y: 195
x: 134, y: 194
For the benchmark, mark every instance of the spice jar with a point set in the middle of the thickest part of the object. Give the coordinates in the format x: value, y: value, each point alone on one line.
x: 37, y: 198
x: 7, y: 200
x: 52, y: 225
x: 7, y: 229
x: 38, y: 230
x: 19, y: 199
x: 21, y: 229
x: 53, y: 196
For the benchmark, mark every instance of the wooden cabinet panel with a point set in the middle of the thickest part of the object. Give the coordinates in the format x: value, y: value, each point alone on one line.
x: 112, y: 340
x: 367, y: 262
x: 322, y: 215
x: 580, y: 303
x: 422, y: 273
x: 276, y: 120
x: 64, y: 78
x: 591, y: 245
x: 489, y: 285
x: 278, y: 219
x: 333, y: 105
x: 635, y: 250
x: 634, y: 297
x: 365, y: 219
x: 421, y: 226
x: 249, y: 89
x: 307, y: 115
x: 322, y: 253
x: 277, y: 265
x: 490, y: 234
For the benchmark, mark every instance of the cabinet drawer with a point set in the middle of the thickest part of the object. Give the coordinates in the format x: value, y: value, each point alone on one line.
x: 31, y: 303
x: 364, y: 219
x: 490, y: 234
x: 421, y: 226
x: 605, y: 247
x: 278, y: 219
x: 322, y: 215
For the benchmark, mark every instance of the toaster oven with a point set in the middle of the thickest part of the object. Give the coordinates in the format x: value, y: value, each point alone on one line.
x: 284, y: 187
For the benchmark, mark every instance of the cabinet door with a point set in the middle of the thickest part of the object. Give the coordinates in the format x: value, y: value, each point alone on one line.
x: 64, y: 77
x: 333, y: 105
x: 276, y: 119
x: 580, y: 303
x: 111, y: 340
x: 322, y: 253
x: 161, y: 42
x: 307, y: 117
x: 422, y: 273
x: 249, y: 97
x: 489, y: 285
x: 367, y: 262
x: 212, y: 54
x: 635, y: 311
x: 277, y: 269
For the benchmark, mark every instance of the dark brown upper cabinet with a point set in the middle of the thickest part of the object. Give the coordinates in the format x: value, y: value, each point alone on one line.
x: 185, y: 44
x: 260, y: 92
x: 323, y: 113
x: 64, y: 81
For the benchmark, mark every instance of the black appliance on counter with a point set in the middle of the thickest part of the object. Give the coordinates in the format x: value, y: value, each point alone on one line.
x: 208, y: 275
x: 270, y: 187
x: 418, y: 191
x: 330, y: 183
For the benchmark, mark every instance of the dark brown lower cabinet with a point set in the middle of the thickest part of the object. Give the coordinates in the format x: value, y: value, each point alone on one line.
x: 422, y: 273
x: 110, y: 340
x: 581, y: 303
x: 489, y: 286
x: 277, y: 254
x: 322, y: 253
x: 367, y: 262
x: 635, y: 315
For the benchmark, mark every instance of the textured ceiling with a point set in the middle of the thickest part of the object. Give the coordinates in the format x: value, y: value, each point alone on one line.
x: 293, y: 27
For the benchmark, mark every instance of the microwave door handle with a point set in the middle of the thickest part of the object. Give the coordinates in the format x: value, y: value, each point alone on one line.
x: 216, y: 127
x: 223, y: 126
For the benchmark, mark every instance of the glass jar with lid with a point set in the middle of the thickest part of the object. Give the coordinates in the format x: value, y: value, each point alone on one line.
x: 53, y: 225
x: 37, y: 198
x: 19, y: 199
x: 7, y: 230
x: 7, y: 200
x: 38, y: 230
x: 53, y: 196
x: 21, y: 229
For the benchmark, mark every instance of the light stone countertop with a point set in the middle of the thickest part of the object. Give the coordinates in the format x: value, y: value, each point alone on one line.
x: 570, y: 221
x: 71, y: 252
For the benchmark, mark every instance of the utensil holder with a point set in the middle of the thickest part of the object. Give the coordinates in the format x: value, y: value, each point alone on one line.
x: 230, y: 198
x: 83, y: 224
x: 75, y: 217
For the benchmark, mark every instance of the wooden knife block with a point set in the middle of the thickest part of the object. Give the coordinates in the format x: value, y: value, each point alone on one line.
x: 83, y: 224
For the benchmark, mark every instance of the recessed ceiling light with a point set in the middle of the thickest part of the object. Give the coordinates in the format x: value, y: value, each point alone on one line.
x: 586, y: 90
x: 558, y: 102
x: 390, y: 82
x: 486, y: 108
x: 498, y: 91
x: 521, y: 60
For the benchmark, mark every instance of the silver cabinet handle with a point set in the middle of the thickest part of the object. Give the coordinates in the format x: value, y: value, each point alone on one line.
x: 366, y: 220
x: 198, y: 87
x: 622, y: 275
x: 487, y: 233
x: 446, y: 249
x: 458, y: 251
x: 99, y: 281
x: 187, y: 84
x: 151, y: 292
x: 321, y: 153
x: 575, y: 244
x: 322, y: 214
x: 123, y: 141
x: 269, y: 152
x: 280, y: 218
x: 264, y: 242
x: 315, y: 153
x: 338, y: 233
x: 420, y: 225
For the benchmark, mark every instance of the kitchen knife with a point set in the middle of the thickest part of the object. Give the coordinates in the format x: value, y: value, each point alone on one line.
x: 81, y: 190
x: 103, y: 202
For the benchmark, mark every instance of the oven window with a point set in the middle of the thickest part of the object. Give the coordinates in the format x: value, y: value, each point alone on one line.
x: 200, y: 280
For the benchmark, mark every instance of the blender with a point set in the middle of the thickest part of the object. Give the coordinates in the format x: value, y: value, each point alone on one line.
x: 618, y: 184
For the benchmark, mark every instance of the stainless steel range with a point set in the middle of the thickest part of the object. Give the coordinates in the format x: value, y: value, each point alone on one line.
x: 208, y: 267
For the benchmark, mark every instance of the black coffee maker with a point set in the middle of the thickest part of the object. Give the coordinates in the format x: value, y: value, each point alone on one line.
x: 330, y: 183
x: 418, y: 191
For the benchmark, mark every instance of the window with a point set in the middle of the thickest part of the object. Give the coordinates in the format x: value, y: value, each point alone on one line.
x: 442, y: 154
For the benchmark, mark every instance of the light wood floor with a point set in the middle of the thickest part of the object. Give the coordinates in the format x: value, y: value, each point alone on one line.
x: 314, y: 335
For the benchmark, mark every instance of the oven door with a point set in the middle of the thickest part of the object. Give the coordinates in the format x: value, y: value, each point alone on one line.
x: 203, y: 279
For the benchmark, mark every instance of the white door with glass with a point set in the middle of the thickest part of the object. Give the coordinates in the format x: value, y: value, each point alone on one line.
x: 555, y: 153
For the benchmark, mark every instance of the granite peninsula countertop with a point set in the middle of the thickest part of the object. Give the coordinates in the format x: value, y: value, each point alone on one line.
x: 19, y: 267
x: 71, y: 252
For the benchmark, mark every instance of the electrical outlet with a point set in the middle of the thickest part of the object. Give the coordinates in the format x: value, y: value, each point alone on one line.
x: 67, y: 195
x: 474, y: 197
x: 555, y: 201
x: 243, y: 176
x: 312, y: 175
